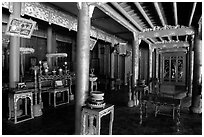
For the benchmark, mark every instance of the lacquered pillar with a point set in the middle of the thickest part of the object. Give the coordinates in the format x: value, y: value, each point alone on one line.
x: 49, y: 45
x: 14, y: 54
x: 196, y: 105
x: 82, y: 62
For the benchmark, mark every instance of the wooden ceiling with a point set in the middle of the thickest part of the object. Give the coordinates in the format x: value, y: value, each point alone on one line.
x: 121, y: 18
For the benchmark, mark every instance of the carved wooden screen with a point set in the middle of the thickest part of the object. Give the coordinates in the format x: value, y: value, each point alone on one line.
x: 173, y: 68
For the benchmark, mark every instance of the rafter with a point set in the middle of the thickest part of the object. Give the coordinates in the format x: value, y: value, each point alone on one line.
x: 191, y: 17
x: 159, y: 11
x: 100, y: 18
x: 192, y: 13
x: 175, y: 13
x: 147, y: 41
x: 117, y: 6
x: 175, y: 16
x: 161, y: 39
x: 169, y: 38
x: 150, y: 39
x: 161, y: 16
x: 143, y: 13
x: 116, y: 16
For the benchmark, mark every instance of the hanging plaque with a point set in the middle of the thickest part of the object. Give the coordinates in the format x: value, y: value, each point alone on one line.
x: 92, y: 43
x: 20, y: 27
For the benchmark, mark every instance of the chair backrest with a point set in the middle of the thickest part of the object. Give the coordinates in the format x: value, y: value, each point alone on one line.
x: 167, y: 90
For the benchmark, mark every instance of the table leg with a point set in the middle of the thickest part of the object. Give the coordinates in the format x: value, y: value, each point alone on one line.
x: 111, y: 121
x: 91, y: 126
x: 63, y: 92
x: 146, y: 109
x: 98, y: 125
x: 40, y: 100
x: 178, y: 119
x: 140, y: 112
x: 83, y: 123
x: 173, y: 112
x: 55, y: 99
x: 49, y: 98
x: 9, y: 104
x: 134, y: 98
x: 31, y: 106
x: 156, y: 110
x: 67, y: 95
x: 26, y: 107
x: 15, y: 110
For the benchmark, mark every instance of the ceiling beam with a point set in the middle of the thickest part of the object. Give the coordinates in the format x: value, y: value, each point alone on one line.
x: 116, y: 16
x: 117, y: 6
x: 171, y: 45
x: 167, y: 32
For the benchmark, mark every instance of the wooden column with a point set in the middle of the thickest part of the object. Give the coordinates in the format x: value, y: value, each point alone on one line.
x: 112, y: 67
x: 49, y: 45
x: 157, y: 64
x: 150, y: 61
x: 196, y: 105
x: 190, y: 67
x: 82, y: 62
x: 135, y: 59
x: 14, y: 56
x: 118, y: 64
x: 150, y: 66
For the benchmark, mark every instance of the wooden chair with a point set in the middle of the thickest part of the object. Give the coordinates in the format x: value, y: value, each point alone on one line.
x: 117, y: 84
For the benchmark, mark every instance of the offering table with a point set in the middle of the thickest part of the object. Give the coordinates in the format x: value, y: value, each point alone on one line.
x: 88, y: 116
x: 14, y: 96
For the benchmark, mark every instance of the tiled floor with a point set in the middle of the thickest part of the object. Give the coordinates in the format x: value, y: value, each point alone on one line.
x: 60, y: 120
